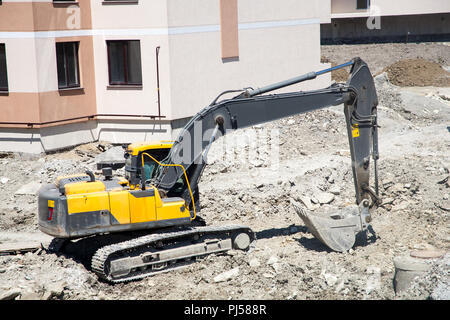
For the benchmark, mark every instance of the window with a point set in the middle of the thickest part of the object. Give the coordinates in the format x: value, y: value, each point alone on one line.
x: 119, y: 1
x: 3, y: 71
x: 362, y: 4
x: 67, y: 63
x: 124, y: 61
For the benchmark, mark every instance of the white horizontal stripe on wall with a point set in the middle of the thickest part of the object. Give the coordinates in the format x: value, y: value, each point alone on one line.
x: 152, y: 31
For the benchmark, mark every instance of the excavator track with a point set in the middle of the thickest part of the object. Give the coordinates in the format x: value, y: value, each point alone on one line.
x: 166, y: 251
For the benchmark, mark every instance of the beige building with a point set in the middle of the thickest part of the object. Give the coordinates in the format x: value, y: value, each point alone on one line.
x: 387, y: 20
x: 121, y: 71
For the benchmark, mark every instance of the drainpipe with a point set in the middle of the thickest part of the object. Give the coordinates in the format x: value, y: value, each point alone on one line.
x: 157, y: 81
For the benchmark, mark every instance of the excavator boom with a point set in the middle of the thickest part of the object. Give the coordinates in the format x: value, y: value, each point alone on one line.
x: 251, y: 108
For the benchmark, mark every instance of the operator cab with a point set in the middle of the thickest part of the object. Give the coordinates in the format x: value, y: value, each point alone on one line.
x: 137, y: 152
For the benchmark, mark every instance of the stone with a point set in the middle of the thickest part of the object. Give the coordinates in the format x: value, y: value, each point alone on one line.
x: 268, y: 275
x: 430, y: 253
x: 112, y: 155
x: 10, y: 294
x: 324, y: 197
x: 277, y: 267
x: 307, y: 202
x: 30, y: 296
x: 31, y: 188
x: 254, y: 263
x: 54, y: 289
x: 335, y: 190
x: 272, y: 260
x: 330, y: 279
x: 227, y: 275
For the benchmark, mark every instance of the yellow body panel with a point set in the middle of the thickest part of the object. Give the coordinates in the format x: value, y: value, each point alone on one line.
x: 126, y: 206
x: 120, y: 207
x: 142, y: 209
x: 172, y: 210
x: 96, y: 201
x: 84, y: 187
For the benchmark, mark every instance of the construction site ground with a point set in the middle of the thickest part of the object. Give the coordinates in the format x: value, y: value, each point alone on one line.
x: 312, y: 168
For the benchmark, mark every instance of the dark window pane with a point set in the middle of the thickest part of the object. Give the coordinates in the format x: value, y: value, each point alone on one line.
x: 124, y: 59
x: 362, y: 4
x: 117, y: 62
x: 60, y: 61
x: 72, y: 64
x: 3, y: 72
x: 67, y: 63
x: 134, y: 62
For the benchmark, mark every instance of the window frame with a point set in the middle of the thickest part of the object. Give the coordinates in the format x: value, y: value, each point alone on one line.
x: 125, y: 70
x: 69, y: 86
x: 367, y: 5
x: 5, y: 89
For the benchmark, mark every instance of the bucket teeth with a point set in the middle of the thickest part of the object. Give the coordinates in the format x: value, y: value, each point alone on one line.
x: 337, y: 234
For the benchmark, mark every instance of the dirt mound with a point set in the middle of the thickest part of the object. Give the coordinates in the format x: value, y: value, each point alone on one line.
x: 418, y: 73
x: 340, y: 75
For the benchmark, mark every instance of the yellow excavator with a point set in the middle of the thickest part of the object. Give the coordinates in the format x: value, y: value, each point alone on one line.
x: 159, y: 195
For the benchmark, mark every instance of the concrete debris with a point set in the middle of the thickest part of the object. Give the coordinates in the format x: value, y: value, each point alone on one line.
x: 330, y: 279
x: 308, y: 167
x: 30, y: 188
x: 10, y: 294
x: 307, y: 202
x: 254, y: 263
x: 272, y: 260
x: 111, y: 155
x: 227, y: 275
x: 324, y: 197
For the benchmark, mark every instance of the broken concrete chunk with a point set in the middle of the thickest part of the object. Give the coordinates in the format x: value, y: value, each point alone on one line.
x: 272, y: 260
x: 113, y: 154
x: 335, y: 190
x: 307, y: 202
x: 227, y: 275
x: 324, y: 197
x: 254, y: 263
x: 31, y: 188
x: 330, y: 279
x: 10, y: 294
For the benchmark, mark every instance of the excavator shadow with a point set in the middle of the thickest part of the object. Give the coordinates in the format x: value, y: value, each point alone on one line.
x: 82, y: 250
x: 310, y: 244
x: 279, y: 232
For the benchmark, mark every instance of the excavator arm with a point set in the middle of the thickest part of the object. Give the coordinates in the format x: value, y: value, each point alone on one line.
x: 251, y: 107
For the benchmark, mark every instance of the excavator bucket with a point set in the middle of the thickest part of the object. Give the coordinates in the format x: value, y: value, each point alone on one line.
x: 339, y: 231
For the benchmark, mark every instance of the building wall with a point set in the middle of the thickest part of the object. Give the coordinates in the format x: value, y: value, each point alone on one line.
x: 347, y: 8
x: 31, y: 62
x: 273, y: 41
x: 276, y: 42
x: 401, y: 20
x: 404, y: 28
x: 145, y: 21
x: 30, y: 31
